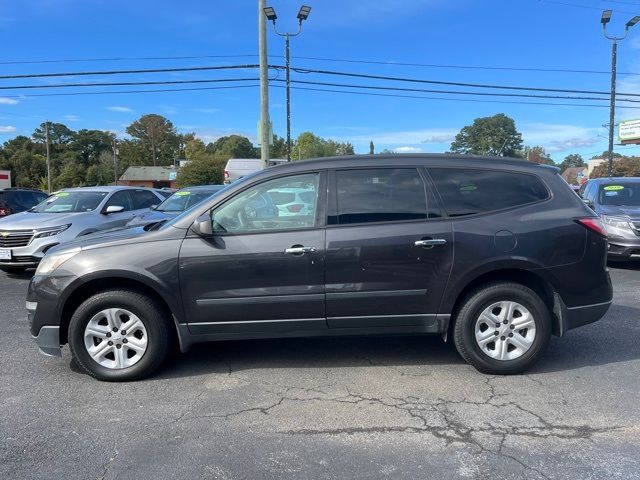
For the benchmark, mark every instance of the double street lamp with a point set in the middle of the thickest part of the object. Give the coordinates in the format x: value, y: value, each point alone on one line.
x: 606, y: 18
x: 303, y: 14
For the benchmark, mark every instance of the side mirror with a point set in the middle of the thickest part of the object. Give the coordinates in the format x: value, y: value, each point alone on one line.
x: 587, y: 202
x: 203, y: 225
x: 153, y: 207
x: 113, y: 209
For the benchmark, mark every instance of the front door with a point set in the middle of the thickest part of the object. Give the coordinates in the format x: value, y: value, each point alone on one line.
x: 389, y: 250
x: 263, y: 269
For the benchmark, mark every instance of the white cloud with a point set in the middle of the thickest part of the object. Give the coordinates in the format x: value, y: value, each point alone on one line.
x: 71, y: 118
x: 559, y: 137
x: 7, y: 129
x: 407, y: 150
x: 8, y: 101
x: 206, y: 110
x: 435, y: 135
x: 120, y: 109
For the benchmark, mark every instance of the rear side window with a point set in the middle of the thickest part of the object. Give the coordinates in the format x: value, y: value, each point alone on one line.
x: 467, y: 192
x: 380, y: 195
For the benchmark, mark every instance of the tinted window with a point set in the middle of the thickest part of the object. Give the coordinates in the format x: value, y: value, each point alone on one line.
x: 144, y: 199
x: 183, y: 199
x: 120, y: 199
x: 380, y: 195
x: 253, y: 210
x: 466, y: 192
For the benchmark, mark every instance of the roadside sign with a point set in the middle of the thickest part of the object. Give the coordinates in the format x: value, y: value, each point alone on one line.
x: 173, y: 176
x: 629, y: 131
x: 5, y: 179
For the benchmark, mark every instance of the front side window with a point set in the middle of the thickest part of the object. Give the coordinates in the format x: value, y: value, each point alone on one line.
x: 471, y: 191
x: 120, y: 199
x: 70, y: 202
x: 380, y: 195
x: 255, y: 210
x: 183, y: 200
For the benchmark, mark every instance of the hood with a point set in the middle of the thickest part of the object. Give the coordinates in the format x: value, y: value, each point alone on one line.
x: 32, y: 221
x: 620, y: 211
x: 152, y: 216
x: 99, y: 239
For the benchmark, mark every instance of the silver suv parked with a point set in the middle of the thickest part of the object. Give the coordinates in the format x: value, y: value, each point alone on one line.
x: 25, y: 237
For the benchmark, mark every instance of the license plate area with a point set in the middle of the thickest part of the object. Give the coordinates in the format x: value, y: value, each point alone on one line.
x: 5, y: 254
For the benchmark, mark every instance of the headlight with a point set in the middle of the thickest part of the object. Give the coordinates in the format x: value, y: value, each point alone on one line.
x: 52, y: 261
x: 50, y: 232
x: 617, y: 222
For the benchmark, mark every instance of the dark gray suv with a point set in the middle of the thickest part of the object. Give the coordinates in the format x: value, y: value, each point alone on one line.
x: 496, y: 254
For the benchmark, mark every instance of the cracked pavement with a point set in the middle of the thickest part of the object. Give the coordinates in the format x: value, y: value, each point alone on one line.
x: 383, y: 407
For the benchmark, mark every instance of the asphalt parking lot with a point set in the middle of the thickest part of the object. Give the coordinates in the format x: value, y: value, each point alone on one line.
x: 399, y: 407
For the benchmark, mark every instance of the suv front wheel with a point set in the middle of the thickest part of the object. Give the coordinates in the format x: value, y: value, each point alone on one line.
x: 502, y: 328
x: 119, y: 335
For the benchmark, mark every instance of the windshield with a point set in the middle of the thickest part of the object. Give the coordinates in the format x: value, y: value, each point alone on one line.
x: 70, y: 202
x: 183, y: 200
x: 622, y: 194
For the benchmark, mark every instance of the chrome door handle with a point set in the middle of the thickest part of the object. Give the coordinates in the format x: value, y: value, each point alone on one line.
x: 299, y: 250
x: 430, y: 243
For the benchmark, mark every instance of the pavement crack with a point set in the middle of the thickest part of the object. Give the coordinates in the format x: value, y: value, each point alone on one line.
x: 107, y: 465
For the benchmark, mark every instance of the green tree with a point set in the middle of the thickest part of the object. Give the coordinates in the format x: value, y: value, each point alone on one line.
x: 59, y: 134
x: 204, y: 170
x: 538, y: 154
x: 158, y: 135
x: 308, y: 145
x: 233, y: 146
x: 89, y: 144
x: 573, y: 160
x: 622, y: 167
x: 372, y: 148
x: 496, y: 135
x: 72, y: 174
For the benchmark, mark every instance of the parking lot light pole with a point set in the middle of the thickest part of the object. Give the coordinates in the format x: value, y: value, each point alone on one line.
x: 606, y: 18
x: 303, y: 14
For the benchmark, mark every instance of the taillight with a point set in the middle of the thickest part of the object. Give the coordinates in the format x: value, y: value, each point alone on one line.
x: 226, y: 175
x: 295, y: 208
x: 593, y: 224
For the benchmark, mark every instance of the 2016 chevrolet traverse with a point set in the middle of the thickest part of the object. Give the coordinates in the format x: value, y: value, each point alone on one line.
x: 496, y: 254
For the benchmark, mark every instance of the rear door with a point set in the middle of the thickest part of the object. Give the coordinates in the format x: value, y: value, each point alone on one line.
x: 389, y: 250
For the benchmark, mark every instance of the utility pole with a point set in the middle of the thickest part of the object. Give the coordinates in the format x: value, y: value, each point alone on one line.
x: 264, y: 86
x: 303, y: 14
x: 46, y: 133
x: 606, y: 18
x: 115, y: 160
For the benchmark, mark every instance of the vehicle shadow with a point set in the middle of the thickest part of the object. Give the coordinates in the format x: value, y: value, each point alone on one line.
x: 579, y: 348
x: 316, y: 352
x: 26, y: 275
x: 627, y: 265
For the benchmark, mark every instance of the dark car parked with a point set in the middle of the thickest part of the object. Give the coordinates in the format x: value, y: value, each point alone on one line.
x: 16, y: 200
x: 497, y: 254
x: 617, y: 202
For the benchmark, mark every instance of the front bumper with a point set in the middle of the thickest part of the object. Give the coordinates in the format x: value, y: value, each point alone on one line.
x: 30, y: 255
x: 623, y: 243
x: 47, y: 337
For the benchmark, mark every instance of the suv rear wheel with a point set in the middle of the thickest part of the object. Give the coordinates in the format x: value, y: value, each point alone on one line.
x: 119, y: 335
x: 502, y: 328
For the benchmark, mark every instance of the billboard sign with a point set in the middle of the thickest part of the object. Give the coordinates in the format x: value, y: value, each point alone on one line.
x: 629, y: 131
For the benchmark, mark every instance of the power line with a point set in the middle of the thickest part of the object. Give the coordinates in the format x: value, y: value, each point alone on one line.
x: 459, y: 84
x: 463, y: 67
x: 451, y: 99
x: 454, y: 92
x: 121, y: 72
x: 120, y: 59
x: 120, y: 84
x: 115, y: 92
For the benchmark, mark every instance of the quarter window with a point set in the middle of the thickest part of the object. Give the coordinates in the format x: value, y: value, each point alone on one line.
x: 380, y: 195
x: 279, y: 204
x: 466, y: 192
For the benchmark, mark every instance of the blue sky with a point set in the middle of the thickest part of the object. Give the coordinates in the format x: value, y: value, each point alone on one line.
x: 560, y: 34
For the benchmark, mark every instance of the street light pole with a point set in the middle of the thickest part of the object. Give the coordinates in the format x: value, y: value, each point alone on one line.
x: 606, y: 18
x: 303, y: 14
x: 115, y: 160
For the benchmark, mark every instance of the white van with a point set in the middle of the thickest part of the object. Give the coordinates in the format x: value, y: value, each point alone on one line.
x: 237, y: 168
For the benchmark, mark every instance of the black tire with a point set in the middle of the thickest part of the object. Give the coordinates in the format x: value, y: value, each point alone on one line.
x: 155, y: 321
x: 472, y: 306
x: 13, y: 270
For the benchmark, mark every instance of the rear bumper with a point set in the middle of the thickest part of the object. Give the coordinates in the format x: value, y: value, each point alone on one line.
x: 579, y: 316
